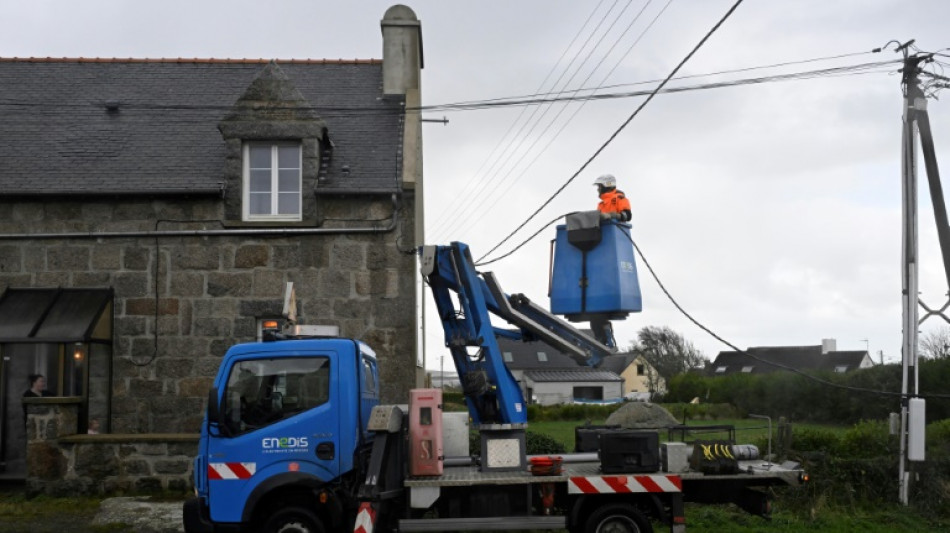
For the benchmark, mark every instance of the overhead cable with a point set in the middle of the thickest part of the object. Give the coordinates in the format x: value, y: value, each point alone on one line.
x: 618, y: 130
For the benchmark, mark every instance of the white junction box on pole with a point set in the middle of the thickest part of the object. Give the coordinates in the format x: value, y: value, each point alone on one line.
x: 916, y: 429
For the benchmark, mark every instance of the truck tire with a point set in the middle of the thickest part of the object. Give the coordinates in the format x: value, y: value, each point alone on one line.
x: 617, y: 518
x: 293, y: 520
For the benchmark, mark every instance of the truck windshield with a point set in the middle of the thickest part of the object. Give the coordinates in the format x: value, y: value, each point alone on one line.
x: 263, y: 391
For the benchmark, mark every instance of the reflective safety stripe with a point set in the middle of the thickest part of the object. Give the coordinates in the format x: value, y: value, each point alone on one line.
x: 231, y: 470
x: 623, y: 484
x: 365, y: 519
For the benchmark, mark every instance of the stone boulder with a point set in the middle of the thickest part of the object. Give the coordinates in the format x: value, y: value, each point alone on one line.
x: 642, y: 415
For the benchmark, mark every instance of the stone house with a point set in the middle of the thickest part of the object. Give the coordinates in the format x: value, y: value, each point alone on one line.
x: 152, y: 212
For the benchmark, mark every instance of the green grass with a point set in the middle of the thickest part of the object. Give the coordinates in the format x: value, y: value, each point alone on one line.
x: 19, y: 513
x: 889, y: 519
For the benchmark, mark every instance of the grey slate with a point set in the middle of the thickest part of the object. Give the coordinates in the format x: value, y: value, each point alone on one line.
x: 573, y: 376
x: 57, y: 135
x: 803, y: 358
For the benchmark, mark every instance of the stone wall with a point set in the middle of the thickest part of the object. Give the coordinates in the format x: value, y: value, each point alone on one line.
x: 60, y: 462
x: 181, y: 301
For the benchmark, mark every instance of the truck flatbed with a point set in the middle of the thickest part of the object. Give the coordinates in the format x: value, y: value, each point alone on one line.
x: 751, y: 472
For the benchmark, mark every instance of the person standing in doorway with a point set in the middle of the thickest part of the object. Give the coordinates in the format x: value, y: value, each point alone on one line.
x: 37, y: 389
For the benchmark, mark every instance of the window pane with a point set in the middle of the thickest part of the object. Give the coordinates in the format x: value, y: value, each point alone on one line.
x: 288, y: 203
x: 260, y: 180
x: 264, y: 391
x: 259, y: 156
x: 288, y: 180
x: 260, y: 203
x: 288, y: 156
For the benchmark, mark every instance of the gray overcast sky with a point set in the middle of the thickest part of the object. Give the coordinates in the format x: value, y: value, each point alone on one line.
x: 770, y: 211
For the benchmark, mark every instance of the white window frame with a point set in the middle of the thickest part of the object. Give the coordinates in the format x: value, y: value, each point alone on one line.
x: 246, y: 179
x: 841, y: 369
x: 747, y: 369
x: 721, y: 369
x: 542, y: 357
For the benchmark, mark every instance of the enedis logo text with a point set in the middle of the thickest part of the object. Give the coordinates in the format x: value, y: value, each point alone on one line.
x: 283, y: 444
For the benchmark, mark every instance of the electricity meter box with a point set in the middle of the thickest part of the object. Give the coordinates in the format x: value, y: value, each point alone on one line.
x: 594, y: 270
x: 425, y: 432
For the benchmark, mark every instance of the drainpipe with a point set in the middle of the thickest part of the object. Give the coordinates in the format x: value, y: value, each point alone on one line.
x: 250, y: 232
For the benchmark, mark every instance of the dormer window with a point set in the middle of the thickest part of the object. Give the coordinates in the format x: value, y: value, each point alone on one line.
x: 272, y: 181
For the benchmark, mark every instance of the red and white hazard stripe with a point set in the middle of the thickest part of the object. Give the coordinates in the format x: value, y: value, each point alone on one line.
x: 365, y: 519
x: 231, y: 470
x: 623, y: 484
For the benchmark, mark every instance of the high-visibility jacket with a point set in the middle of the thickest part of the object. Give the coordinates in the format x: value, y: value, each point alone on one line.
x: 613, y: 201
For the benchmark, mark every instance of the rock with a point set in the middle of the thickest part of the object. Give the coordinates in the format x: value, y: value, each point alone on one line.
x: 642, y: 415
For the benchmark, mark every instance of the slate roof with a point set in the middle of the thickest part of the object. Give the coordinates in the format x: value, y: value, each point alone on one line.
x: 525, y: 356
x: 619, y: 362
x: 57, y: 135
x: 797, y: 357
x: 573, y: 376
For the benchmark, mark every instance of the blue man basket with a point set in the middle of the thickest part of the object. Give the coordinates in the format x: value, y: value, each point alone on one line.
x: 594, y: 274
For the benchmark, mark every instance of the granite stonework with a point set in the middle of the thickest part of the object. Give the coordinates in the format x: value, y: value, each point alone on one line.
x: 61, y: 462
x: 181, y: 301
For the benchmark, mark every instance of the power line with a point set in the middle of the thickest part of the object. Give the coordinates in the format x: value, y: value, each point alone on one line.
x: 676, y: 78
x: 498, y: 191
x: 754, y: 357
x: 621, y: 128
x: 472, y: 207
x: 464, y: 193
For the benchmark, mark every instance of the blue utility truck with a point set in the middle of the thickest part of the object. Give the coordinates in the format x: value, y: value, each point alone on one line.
x: 295, y: 439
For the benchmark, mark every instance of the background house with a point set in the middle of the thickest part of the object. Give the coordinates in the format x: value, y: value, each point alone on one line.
x: 640, y: 380
x: 153, y: 210
x: 549, y: 377
x: 824, y: 357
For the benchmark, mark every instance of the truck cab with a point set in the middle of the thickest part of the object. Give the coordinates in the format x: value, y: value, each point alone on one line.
x: 279, y: 428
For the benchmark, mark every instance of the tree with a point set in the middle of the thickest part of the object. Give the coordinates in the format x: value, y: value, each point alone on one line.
x: 935, y: 344
x: 667, y: 351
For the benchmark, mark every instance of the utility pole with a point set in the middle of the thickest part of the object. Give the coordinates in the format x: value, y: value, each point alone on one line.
x: 916, y: 122
x: 912, y: 99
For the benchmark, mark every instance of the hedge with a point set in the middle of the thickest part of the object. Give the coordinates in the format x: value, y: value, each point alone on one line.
x: 802, y: 398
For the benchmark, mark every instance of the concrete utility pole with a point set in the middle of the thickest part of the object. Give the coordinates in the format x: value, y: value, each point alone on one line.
x: 913, y: 97
x: 915, y: 121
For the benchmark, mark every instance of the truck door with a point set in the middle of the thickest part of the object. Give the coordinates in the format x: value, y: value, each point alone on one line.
x: 282, y: 418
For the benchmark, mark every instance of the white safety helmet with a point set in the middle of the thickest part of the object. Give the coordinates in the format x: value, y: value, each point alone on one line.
x: 607, y: 180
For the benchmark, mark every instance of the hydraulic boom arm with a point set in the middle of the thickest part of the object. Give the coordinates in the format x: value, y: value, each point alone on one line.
x: 492, y: 393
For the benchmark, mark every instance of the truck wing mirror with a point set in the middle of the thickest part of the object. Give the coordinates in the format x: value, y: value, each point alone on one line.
x: 214, y: 413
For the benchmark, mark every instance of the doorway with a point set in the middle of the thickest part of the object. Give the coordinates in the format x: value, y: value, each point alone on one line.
x: 65, y: 335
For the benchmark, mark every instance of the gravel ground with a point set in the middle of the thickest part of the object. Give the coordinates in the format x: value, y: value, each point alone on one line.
x: 19, y: 514
x: 142, y: 514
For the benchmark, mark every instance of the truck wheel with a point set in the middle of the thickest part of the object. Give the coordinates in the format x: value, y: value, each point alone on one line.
x: 618, y: 518
x: 293, y: 520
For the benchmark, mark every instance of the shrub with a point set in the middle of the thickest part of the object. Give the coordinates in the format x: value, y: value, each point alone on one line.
x: 867, y: 439
x: 540, y: 444
x: 814, y: 440
x: 938, y: 438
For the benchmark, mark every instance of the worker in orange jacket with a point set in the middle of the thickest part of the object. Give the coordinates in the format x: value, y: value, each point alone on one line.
x: 613, y: 203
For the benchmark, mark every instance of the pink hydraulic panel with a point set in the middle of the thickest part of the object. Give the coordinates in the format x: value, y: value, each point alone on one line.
x: 425, y: 432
